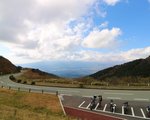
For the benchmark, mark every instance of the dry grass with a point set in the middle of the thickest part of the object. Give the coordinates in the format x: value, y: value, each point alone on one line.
x: 29, y: 106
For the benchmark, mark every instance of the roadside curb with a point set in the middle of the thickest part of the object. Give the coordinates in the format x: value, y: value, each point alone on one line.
x: 89, y: 115
x: 59, y: 97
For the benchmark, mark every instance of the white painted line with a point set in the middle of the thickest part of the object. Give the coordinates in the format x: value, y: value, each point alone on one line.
x: 140, y: 117
x: 118, y: 93
x: 61, y: 105
x: 143, y: 113
x: 88, y: 106
x: 68, y: 91
x: 122, y: 110
x: 132, y: 111
x: 117, y: 98
x: 105, y: 107
x: 141, y: 99
x: 81, y: 104
x: 96, y: 106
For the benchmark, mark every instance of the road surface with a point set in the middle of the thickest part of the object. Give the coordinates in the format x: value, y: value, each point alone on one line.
x: 131, y: 95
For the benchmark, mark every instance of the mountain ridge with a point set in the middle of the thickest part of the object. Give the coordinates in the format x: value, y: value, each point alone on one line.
x: 135, y: 68
x: 6, y: 67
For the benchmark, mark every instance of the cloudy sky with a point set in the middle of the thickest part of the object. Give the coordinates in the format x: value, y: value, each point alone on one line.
x: 74, y: 30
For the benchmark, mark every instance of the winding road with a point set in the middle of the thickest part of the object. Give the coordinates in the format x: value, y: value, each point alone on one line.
x: 131, y: 95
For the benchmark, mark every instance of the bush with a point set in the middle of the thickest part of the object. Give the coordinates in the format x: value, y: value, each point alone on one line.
x: 32, y: 83
x: 99, y: 83
x: 11, y: 77
x: 24, y: 82
x: 19, y: 81
x: 81, y: 85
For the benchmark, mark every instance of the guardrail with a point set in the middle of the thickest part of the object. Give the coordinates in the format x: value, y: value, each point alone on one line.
x: 30, y: 89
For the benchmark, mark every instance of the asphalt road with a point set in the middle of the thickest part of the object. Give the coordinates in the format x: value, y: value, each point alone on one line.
x: 131, y: 95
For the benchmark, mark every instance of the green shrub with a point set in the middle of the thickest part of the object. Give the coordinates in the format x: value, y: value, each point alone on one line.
x: 33, y: 83
x: 24, y: 82
x: 11, y: 77
x: 19, y: 81
x: 81, y: 85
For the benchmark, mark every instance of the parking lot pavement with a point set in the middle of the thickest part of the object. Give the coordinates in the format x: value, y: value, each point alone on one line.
x: 136, y: 109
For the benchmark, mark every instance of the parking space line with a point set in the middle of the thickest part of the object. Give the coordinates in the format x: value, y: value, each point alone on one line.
x: 88, y: 106
x: 132, y: 111
x: 122, y: 110
x: 105, y: 107
x: 143, y: 113
x: 139, y: 117
x: 96, y: 106
x: 81, y: 104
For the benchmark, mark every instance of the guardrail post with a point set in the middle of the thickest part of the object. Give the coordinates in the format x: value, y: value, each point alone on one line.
x: 9, y: 87
x: 18, y: 89
x: 42, y: 91
x: 29, y: 90
x: 56, y: 93
x: 2, y: 86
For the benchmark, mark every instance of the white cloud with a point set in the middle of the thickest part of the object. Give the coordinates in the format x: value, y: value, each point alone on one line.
x: 136, y: 53
x: 104, y: 24
x: 15, y: 13
x: 55, y: 30
x: 111, y: 2
x: 111, y: 57
x: 102, y: 39
x: 40, y: 29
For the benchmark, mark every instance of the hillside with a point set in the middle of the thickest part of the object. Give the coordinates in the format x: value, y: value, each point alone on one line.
x: 37, y: 74
x: 7, y: 67
x: 139, y: 68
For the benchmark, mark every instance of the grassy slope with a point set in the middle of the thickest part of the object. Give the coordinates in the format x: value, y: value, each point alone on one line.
x: 43, y: 79
x: 29, y: 106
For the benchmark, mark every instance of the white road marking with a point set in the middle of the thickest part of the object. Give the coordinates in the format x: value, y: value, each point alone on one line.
x: 114, y: 98
x: 105, y: 107
x: 88, y: 106
x: 123, y: 110
x: 68, y: 91
x: 143, y: 113
x: 81, y: 104
x: 132, y: 111
x: 96, y: 106
x: 139, y: 117
x: 61, y: 97
x: 118, y: 93
x: 141, y: 99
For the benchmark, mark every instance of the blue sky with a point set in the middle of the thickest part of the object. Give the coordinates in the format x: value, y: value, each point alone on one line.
x: 103, y: 31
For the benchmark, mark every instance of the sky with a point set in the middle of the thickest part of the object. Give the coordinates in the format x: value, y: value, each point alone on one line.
x: 102, y: 31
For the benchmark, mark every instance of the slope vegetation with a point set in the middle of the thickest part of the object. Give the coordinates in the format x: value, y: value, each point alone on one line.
x: 134, y: 71
x: 7, y: 67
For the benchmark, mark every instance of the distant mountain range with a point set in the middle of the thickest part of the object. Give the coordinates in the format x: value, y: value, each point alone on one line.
x: 137, y: 68
x: 7, y: 67
x: 68, y: 69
